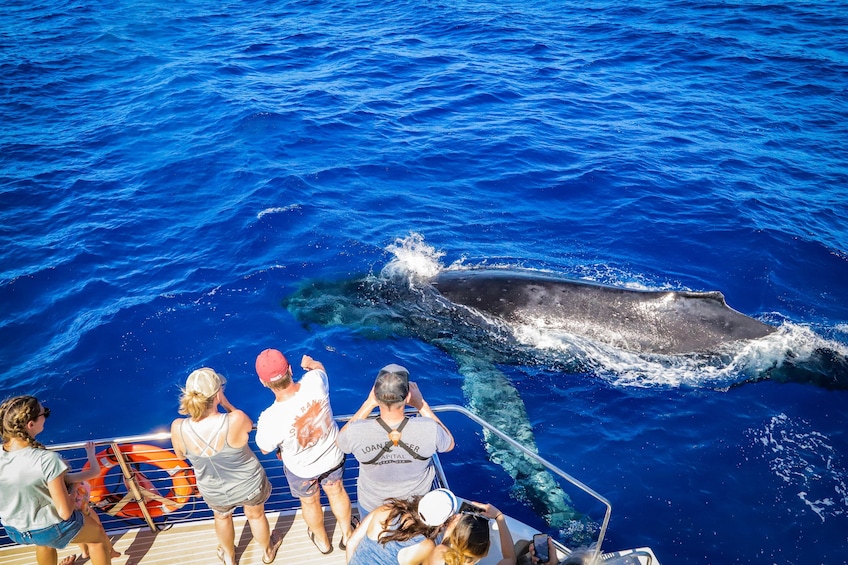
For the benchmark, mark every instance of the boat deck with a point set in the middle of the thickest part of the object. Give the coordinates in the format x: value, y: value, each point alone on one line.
x: 194, y: 543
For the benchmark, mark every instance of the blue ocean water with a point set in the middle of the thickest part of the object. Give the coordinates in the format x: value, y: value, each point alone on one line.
x: 171, y: 172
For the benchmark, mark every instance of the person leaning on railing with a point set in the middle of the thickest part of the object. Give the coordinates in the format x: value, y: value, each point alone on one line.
x: 35, y: 505
x: 228, y: 473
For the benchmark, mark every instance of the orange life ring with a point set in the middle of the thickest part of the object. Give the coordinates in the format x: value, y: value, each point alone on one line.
x: 116, y: 504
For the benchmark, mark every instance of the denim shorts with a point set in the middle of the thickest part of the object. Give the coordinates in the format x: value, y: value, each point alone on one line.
x: 303, y: 488
x: 57, y: 536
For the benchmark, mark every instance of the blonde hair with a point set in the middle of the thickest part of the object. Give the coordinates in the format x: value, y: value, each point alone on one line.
x: 194, y: 404
x: 15, y: 414
x: 468, y: 540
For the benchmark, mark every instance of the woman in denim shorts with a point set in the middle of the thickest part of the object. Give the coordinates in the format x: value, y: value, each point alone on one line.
x: 36, y: 508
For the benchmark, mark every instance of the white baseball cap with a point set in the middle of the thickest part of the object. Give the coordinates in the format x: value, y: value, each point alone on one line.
x: 437, y: 506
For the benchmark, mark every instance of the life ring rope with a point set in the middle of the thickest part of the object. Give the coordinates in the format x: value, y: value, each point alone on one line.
x: 115, y: 504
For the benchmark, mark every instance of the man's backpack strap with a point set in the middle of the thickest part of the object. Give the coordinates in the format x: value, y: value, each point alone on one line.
x: 394, y: 440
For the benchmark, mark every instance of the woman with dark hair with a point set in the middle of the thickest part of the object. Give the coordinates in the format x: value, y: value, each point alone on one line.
x: 467, y: 538
x: 36, y: 508
x: 400, y: 532
x: 228, y: 473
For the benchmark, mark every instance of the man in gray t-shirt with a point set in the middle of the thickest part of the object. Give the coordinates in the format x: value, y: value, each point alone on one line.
x: 394, y: 452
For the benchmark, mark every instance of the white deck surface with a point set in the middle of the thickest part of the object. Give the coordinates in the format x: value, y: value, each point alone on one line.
x: 195, y: 543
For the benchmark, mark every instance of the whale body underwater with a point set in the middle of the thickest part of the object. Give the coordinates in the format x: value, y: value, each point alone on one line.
x: 644, y: 321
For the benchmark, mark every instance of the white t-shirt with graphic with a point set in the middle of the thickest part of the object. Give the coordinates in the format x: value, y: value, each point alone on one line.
x: 303, y: 426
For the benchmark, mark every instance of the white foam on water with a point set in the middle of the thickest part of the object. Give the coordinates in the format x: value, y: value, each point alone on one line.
x: 735, y: 363
x: 810, y: 468
x: 277, y: 210
x: 413, y: 258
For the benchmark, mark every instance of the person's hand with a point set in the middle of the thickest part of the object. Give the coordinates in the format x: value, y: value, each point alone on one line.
x: 224, y: 401
x: 372, y: 398
x: 489, y: 510
x: 307, y: 363
x: 365, y: 410
x: 532, y: 551
x: 89, y: 450
x: 552, y: 560
x: 414, y: 398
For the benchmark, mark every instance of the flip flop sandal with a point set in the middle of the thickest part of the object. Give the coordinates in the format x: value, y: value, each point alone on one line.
x: 312, y: 538
x: 275, y: 546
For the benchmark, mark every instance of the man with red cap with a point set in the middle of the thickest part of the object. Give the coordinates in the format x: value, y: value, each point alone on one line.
x: 299, y: 425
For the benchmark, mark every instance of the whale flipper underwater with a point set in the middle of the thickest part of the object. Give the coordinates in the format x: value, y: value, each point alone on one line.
x: 664, y: 322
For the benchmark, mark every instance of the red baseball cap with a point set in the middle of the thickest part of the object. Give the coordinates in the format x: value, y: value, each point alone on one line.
x: 271, y: 366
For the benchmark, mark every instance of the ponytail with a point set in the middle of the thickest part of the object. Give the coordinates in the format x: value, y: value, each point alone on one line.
x: 194, y: 404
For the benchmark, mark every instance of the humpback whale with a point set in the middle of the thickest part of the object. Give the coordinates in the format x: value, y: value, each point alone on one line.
x: 473, y: 315
x: 644, y: 321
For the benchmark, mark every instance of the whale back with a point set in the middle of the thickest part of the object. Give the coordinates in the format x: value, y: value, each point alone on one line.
x: 644, y: 321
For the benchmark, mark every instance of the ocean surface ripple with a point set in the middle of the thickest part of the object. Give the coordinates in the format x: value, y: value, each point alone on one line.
x: 171, y: 172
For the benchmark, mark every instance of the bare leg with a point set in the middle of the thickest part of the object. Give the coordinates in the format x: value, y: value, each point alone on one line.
x: 46, y: 555
x: 226, y: 533
x: 99, y: 546
x: 259, y: 527
x: 84, y: 546
x: 313, y: 514
x: 340, y: 505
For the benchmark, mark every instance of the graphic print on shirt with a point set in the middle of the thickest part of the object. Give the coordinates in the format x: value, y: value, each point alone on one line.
x: 393, y: 455
x: 313, y: 424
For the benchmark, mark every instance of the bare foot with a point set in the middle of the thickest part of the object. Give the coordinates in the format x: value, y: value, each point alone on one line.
x: 115, y: 554
x: 69, y: 560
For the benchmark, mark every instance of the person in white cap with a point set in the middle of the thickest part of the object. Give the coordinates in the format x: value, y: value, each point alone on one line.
x: 228, y: 473
x: 401, y: 531
x: 300, y: 427
x: 402, y: 465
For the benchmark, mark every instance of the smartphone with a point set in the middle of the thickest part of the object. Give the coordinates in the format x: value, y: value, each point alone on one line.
x: 467, y: 508
x: 540, y: 547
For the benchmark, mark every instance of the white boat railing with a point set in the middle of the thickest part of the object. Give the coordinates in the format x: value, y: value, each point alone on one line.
x: 145, y: 484
x: 542, y: 461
